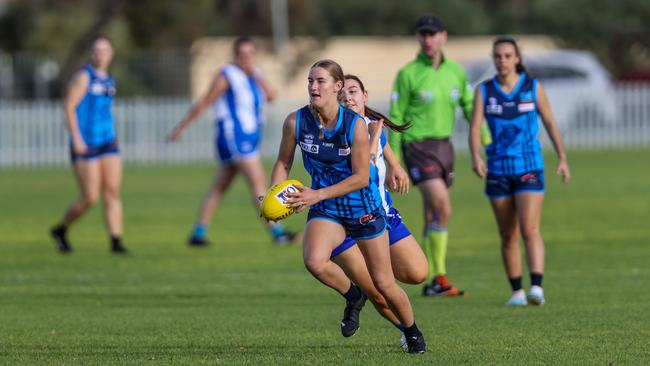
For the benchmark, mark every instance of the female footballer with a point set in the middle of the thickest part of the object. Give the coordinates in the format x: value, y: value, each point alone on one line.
x: 342, y: 200
x: 511, y: 103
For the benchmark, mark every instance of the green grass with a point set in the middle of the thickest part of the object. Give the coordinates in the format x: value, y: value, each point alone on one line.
x: 244, y: 301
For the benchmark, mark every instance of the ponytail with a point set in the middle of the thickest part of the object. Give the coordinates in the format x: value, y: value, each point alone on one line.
x: 373, y: 114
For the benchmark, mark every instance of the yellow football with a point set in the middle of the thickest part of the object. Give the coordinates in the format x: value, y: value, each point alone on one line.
x: 274, y: 205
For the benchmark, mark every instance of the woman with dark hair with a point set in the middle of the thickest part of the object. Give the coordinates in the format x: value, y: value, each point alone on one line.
x: 93, y: 145
x: 407, y: 259
x: 343, y: 199
x: 511, y: 103
x: 238, y: 93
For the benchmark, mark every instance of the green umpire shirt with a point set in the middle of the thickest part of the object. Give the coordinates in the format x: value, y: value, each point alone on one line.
x: 428, y: 98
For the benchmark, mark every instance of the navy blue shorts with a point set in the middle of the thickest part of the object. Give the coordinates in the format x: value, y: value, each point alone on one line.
x: 500, y: 186
x: 364, y: 227
x: 396, y: 232
x: 95, y: 152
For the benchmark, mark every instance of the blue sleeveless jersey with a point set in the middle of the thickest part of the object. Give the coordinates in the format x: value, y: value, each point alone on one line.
x: 328, y: 161
x: 512, y: 119
x: 94, y: 112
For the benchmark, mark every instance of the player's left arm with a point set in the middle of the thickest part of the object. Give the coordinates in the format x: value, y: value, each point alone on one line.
x: 544, y: 109
x: 269, y: 91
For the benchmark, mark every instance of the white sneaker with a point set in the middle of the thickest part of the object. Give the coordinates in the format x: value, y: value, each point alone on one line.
x: 403, y: 343
x: 536, y: 296
x: 518, y: 298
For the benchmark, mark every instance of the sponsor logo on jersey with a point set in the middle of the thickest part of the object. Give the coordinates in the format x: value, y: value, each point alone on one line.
x: 529, y: 178
x: 526, y: 107
x: 426, y: 96
x: 344, y: 152
x: 328, y: 144
x: 415, y: 173
x: 455, y: 94
x: 366, y: 219
x: 310, y: 148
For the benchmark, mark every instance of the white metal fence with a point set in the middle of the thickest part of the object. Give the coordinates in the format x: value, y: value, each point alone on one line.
x: 33, y: 134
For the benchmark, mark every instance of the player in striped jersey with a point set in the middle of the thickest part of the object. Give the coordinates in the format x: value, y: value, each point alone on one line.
x: 343, y: 199
x: 238, y: 93
x: 511, y: 103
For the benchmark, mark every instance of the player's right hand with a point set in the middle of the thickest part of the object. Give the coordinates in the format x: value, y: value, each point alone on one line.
x: 80, y: 147
x: 375, y: 128
x: 175, y: 135
x: 478, y: 166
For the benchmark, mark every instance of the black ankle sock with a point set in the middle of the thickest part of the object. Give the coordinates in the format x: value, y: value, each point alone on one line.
x: 412, y: 331
x: 536, y: 279
x: 353, y: 294
x: 60, y: 229
x: 515, y: 283
x: 116, y: 242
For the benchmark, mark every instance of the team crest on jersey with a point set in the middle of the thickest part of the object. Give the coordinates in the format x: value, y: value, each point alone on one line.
x: 493, y: 107
x: 101, y: 89
x: 526, y: 96
x: 344, y: 152
x: 309, y: 138
x: 310, y: 148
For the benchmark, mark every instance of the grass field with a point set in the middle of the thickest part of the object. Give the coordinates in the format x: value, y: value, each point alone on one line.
x: 244, y: 301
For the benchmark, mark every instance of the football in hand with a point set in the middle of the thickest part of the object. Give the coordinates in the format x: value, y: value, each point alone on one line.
x: 274, y: 205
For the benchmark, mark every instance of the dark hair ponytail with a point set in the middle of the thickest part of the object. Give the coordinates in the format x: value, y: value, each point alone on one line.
x: 373, y: 114
x: 506, y: 39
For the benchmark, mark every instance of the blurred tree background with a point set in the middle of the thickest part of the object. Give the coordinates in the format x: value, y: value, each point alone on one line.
x: 47, y: 39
